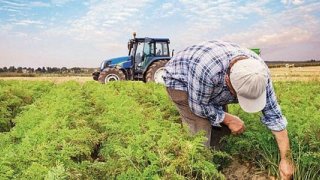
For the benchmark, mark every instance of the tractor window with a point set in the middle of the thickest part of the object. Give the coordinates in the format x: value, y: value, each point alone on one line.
x: 152, y: 48
x: 148, y: 48
x: 139, y: 53
x: 162, y: 49
x: 132, y: 50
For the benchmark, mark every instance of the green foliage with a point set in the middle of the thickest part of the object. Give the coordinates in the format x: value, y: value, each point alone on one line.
x: 120, y: 130
x: 300, y: 103
x: 57, y: 172
x: 131, y: 130
x: 221, y: 159
x: 14, y: 96
x: 140, y: 142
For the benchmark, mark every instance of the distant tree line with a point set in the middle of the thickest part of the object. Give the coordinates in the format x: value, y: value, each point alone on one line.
x: 276, y: 64
x: 47, y: 70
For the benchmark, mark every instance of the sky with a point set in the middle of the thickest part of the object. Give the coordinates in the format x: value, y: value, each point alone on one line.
x: 76, y: 33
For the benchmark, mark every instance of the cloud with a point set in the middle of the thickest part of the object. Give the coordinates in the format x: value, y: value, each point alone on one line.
x: 60, y: 2
x: 292, y: 35
x: 288, y: 26
x: 13, y: 7
x: 205, y: 20
x: 13, y: 4
x: 18, y: 7
x: 21, y: 5
x: 12, y: 10
x: 265, y: 38
x: 167, y: 6
x: 26, y: 22
x: 278, y: 33
x: 105, y: 21
x: 106, y: 26
x: 294, y: 2
x: 168, y: 9
x: 39, y: 4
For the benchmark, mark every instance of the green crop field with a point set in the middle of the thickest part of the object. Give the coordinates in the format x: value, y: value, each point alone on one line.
x: 131, y: 130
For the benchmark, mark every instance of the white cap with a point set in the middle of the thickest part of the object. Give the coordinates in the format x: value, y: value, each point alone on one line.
x: 249, y: 78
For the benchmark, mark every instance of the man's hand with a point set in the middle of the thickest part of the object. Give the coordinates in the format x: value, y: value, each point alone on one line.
x: 234, y: 123
x: 286, y: 169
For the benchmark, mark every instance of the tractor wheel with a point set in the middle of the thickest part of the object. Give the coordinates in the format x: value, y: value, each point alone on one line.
x: 155, y: 72
x: 111, y: 74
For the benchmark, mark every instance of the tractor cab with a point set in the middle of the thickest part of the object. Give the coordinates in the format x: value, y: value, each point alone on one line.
x: 144, y: 51
x: 145, y: 61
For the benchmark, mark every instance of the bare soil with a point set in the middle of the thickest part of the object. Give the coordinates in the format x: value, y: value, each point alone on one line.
x: 239, y: 170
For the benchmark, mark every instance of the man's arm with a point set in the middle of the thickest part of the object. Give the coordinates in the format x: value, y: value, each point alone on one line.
x: 286, y: 167
x: 272, y: 115
x: 276, y: 122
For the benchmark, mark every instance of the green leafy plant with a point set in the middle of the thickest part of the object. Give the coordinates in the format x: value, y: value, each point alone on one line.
x: 14, y: 96
x: 92, y: 131
x: 300, y: 103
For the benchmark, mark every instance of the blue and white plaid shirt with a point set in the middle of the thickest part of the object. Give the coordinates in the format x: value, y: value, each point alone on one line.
x: 200, y: 70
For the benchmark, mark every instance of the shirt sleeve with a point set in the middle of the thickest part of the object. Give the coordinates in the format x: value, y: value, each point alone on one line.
x: 272, y: 115
x: 200, y: 90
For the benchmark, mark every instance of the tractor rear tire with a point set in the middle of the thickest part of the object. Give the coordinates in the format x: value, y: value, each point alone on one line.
x: 155, y: 72
x: 111, y: 74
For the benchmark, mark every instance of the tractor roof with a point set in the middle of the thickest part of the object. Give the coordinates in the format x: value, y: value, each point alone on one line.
x: 151, y: 39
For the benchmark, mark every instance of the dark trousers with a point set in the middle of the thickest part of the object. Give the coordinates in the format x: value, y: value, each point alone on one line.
x: 197, y: 123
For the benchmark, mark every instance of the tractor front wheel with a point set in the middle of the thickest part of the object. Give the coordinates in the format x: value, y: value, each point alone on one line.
x: 111, y: 74
x: 155, y: 72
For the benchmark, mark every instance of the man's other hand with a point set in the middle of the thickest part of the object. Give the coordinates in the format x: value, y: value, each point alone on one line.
x: 234, y: 123
x: 286, y: 169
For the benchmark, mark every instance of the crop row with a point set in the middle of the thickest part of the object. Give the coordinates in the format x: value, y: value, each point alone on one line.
x: 140, y: 142
x: 93, y: 131
x: 14, y: 95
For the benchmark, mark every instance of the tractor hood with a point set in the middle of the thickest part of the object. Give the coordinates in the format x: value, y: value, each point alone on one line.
x: 121, y: 62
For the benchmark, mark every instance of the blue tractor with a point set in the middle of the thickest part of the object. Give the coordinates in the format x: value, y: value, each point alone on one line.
x: 145, y: 61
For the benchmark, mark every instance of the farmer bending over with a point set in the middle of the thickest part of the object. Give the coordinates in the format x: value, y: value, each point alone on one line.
x: 203, y: 78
